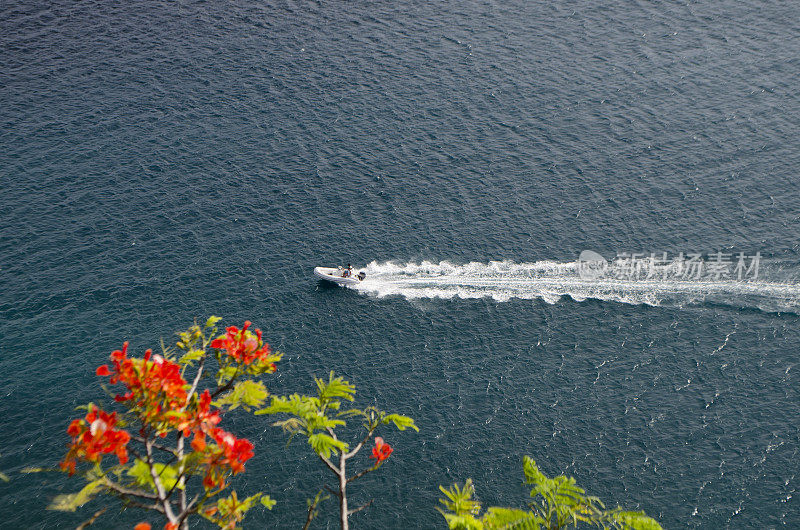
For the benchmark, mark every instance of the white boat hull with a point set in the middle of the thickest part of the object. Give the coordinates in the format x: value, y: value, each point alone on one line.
x: 332, y: 274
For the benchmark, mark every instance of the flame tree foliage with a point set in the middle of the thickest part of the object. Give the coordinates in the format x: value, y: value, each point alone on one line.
x: 171, y: 457
x: 169, y: 454
x: 318, y: 417
x: 556, y: 503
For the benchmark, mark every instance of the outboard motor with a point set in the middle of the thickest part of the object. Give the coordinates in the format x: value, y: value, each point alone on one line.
x: 362, y: 275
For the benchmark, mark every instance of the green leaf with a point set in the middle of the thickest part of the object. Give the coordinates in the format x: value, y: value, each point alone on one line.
x: 531, y: 471
x: 35, y: 470
x: 336, y: 387
x: 324, y: 445
x: 459, y: 500
x: 279, y: 404
x: 245, y: 505
x: 302, y: 406
x: 318, y: 422
x: 291, y: 426
x: 557, y: 503
x: 245, y: 393
x: 561, y: 489
x: 462, y: 522
x: 168, y: 475
x: 635, y: 521
x: 141, y: 473
x: 226, y: 374
x: 352, y: 413
x: 267, y: 501
x: 264, y: 364
x: 511, y: 519
x: 72, y: 501
x: 230, y: 510
x: 401, y: 422
x: 212, y: 321
x: 562, y: 501
x: 191, y: 356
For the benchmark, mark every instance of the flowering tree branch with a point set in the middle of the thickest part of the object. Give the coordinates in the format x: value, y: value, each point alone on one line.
x: 311, y: 417
x: 157, y: 400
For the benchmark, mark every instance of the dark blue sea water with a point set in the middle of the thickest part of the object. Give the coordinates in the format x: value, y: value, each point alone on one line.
x: 162, y: 161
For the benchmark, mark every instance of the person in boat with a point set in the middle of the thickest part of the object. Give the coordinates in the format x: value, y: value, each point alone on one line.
x: 348, y: 271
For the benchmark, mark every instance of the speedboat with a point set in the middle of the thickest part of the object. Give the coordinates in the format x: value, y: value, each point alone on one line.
x: 339, y: 275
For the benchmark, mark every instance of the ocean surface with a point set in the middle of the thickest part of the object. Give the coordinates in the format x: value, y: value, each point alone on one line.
x: 164, y: 161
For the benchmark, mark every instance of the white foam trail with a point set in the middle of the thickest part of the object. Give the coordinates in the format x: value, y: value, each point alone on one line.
x: 550, y: 280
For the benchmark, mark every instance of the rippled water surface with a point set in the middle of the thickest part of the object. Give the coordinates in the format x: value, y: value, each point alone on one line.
x: 165, y: 161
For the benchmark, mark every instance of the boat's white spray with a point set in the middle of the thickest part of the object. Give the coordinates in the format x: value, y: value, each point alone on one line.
x: 551, y: 280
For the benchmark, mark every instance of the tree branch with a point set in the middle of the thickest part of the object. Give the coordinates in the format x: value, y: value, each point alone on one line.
x: 196, y: 380
x: 360, y: 444
x: 181, y: 482
x: 331, y: 490
x: 182, y: 475
x: 362, y: 473
x: 129, y: 492
x: 191, y: 508
x: 154, y: 445
x: 226, y: 386
x: 92, y: 519
x: 137, y: 504
x: 157, y: 482
x: 312, y: 509
x: 199, y: 499
x: 332, y: 433
x: 329, y: 464
x: 351, y: 512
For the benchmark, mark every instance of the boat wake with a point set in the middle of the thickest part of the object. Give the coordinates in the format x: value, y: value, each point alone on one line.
x: 550, y: 281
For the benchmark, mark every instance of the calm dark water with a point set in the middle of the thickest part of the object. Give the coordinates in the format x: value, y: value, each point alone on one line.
x: 166, y: 161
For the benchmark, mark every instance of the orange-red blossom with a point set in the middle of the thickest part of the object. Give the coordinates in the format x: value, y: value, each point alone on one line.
x: 230, y: 452
x: 203, y: 419
x: 156, y: 388
x: 94, y: 436
x: 244, y: 346
x: 381, y: 451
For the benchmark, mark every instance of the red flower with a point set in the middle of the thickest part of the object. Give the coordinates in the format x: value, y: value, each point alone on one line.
x: 93, y: 437
x: 381, y: 451
x: 202, y: 418
x: 199, y: 442
x: 171, y: 526
x: 228, y: 455
x: 142, y: 526
x: 154, y: 385
x: 237, y: 450
x: 243, y: 345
